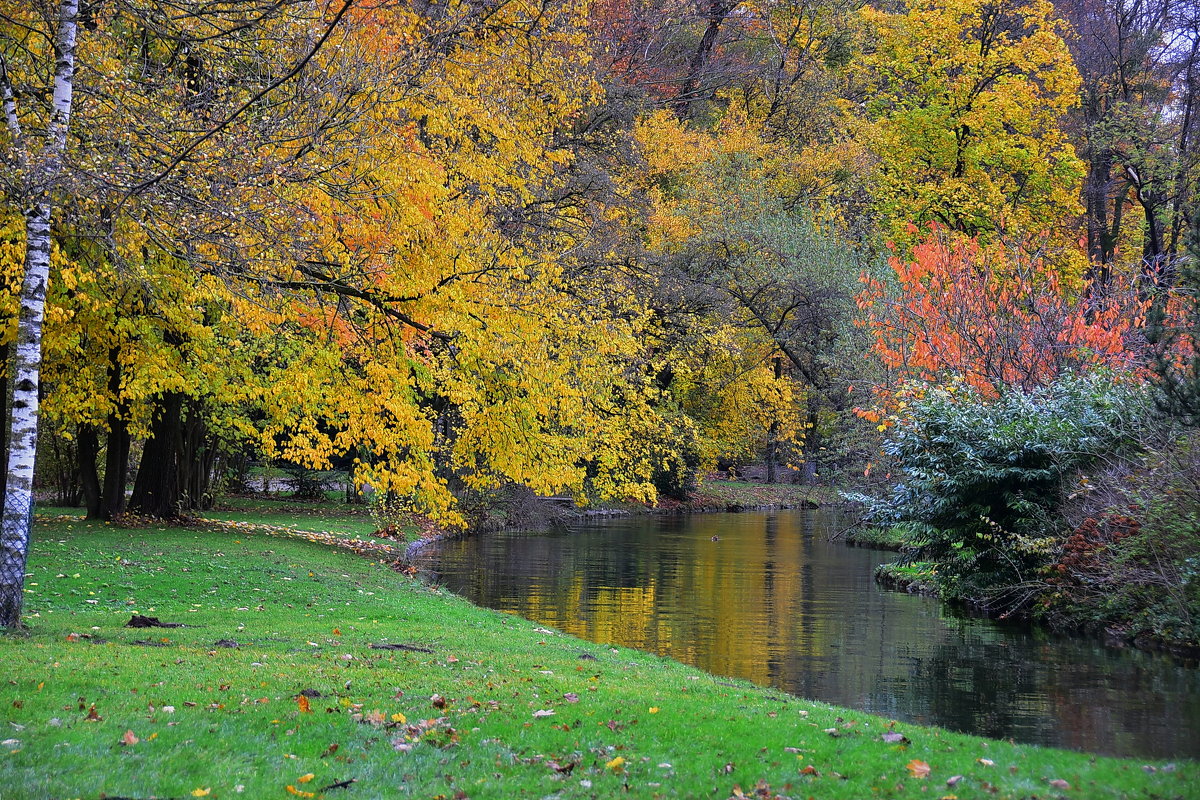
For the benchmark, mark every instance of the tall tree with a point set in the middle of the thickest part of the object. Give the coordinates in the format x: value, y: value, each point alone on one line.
x: 34, y: 143
x: 723, y: 228
x: 44, y: 165
x: 1137, y: 127
x: 965, y: 100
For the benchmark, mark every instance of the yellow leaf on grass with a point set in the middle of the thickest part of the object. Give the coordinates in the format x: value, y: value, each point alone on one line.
x: 201, y: 792
x: 616, y: 765
x: 302, y: 701
x: 918, y: 768
x: 305, y: 778
x: 300, y: 792
x: 398, y: 717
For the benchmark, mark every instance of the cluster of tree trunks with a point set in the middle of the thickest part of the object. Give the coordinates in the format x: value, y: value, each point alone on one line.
x: 175, y: 474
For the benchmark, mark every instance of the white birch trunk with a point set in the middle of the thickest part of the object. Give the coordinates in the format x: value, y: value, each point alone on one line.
x: 44, y: 171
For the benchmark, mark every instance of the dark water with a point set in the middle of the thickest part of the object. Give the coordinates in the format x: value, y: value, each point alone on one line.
x: 776, y: 602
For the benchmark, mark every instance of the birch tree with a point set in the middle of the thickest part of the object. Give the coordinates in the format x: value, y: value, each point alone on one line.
x: 34, y: 159
x: 106, y: 176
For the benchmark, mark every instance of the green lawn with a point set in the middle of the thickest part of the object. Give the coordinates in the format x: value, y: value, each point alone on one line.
x: 476, y: 704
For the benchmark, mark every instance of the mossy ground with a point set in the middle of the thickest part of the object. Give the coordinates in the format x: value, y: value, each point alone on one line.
x: 881, y: 538
x: 94, y: 709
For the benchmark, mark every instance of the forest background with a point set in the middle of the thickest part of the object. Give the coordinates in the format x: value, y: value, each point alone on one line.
x: 598, y: 249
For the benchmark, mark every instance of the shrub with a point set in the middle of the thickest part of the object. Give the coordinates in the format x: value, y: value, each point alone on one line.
x: 1132, y: 561
x: 983, y: 478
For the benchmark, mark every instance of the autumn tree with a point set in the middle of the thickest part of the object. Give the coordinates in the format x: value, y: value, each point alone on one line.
x: 1136, y: 127
x: 964, y: 102
x: 995, y: 314
x: 34, y: 141
x: 723, y: 229
x: 103, y: 170
x: 1174, y: 332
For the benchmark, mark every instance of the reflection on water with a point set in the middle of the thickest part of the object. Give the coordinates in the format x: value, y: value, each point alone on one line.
x: 773, y: 601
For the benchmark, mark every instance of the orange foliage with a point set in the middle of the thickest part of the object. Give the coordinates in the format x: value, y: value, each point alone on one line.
x: 997, y: 315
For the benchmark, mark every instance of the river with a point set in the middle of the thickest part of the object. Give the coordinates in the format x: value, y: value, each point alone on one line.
x: 770, y: 598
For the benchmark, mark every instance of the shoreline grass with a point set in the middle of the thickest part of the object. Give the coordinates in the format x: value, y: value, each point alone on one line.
x: 473, y: 703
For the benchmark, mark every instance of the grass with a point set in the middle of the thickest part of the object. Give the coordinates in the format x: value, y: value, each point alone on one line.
x: 212, y: 709
x: 893, y: 538
x: 915, y: 576
x: 338, y: 519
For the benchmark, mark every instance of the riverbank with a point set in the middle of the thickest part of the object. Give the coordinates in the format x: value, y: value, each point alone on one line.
x: 1053, y: 609
x: 301, y: 668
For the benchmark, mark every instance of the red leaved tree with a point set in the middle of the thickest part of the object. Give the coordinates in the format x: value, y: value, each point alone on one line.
x: 996, y: 315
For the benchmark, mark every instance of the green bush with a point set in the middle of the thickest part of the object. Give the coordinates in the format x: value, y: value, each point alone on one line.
x: 1132, y: 561
x: 983, y: 478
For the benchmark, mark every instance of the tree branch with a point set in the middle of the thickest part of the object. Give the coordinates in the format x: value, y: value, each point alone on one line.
x: 199, y: 140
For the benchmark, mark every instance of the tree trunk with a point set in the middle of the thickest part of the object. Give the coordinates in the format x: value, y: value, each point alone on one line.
x: 196, y: 459
x: 116, y: 469
x: 772, y: 451
x: 156, y: 489
x: 1100, y: 243
x: 5, y: 371
x: 773, y: 432
x: 116, y: 459
x: 89, y: 480
x: 812, y: 442
x: 18, y: 491
x: 716, y: 14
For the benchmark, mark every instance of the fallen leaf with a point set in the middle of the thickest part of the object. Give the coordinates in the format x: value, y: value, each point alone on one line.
x: 571, y: 697
x: 1058, y: 783
x: 398, y: 717
x: 987, y: 762
x: 92, y: 716
x: 438, y: 701
x: 201, y: 792
x: 653, y: 709
x: 918, y: 768
x: 616, y: 765
x: 305, y: 778
x: 129, y: 738
x: 543, y: 712
x: 333, y: 748
x: 953, y: 781
x: 895, y: 738
x: 300, y: 792
x: 302, y: 701
x: 810, y: 770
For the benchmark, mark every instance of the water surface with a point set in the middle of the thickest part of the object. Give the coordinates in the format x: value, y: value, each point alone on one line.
x: 773, y: 600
